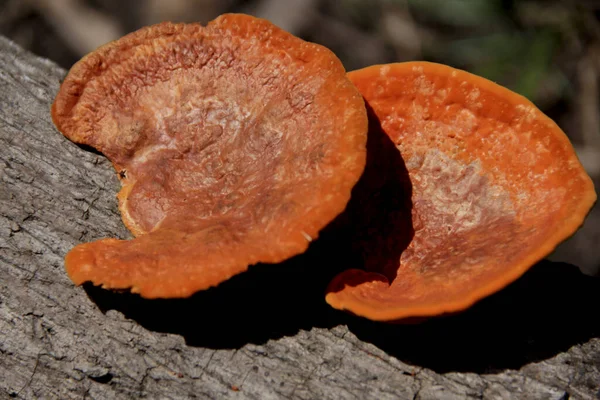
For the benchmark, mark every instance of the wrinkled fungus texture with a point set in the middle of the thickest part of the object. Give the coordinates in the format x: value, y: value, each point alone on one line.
x: 495, y: 186
x: 235, y: 143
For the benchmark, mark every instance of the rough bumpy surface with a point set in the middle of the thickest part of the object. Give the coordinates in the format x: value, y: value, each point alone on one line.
x: 264, y: 334
x: 235, y: 144
x: 495, y: 186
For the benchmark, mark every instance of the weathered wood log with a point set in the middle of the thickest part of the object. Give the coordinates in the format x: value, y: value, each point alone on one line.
x: 264, y: 334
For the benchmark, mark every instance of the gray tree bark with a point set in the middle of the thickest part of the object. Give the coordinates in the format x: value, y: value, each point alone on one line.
x: 265, y: 334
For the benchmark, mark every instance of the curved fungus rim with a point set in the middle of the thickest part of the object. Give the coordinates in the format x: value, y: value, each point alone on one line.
x: 325, y: 111
x: 337, y: 292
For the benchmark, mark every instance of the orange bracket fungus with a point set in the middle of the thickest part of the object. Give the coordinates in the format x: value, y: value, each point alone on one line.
x: 235, y: 143
x: 495, y: 187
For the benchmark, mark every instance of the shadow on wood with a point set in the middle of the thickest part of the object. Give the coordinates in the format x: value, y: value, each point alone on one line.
x: 548, y: 310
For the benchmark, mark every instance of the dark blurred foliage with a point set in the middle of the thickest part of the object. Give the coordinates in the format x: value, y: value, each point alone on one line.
x: 546, y: 50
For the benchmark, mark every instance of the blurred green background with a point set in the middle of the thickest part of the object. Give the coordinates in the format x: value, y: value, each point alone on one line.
x: 546, y: 50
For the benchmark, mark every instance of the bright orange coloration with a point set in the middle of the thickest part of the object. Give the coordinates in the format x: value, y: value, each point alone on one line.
x: 235, y: 144
x: 495, y: 185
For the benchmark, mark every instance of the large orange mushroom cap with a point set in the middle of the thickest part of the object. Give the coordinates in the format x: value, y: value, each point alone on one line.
x: 235, y: 144
x: 495, y: 187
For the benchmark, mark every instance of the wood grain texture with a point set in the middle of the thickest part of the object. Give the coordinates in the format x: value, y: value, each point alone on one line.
x: 265, y: 334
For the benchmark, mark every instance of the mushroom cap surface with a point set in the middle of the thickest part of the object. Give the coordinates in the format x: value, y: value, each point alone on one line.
x: 495, y: 187
x: 235, y: 143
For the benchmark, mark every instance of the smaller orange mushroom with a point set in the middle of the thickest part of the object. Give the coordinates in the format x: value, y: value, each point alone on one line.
x: 235, y: 143
x: 495, y: 186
